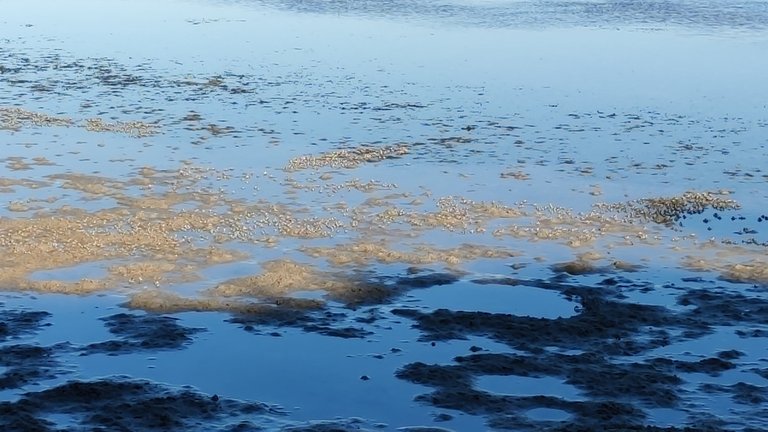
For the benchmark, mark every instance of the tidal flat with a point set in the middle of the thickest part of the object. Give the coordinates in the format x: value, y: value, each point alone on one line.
x: 454, y: 215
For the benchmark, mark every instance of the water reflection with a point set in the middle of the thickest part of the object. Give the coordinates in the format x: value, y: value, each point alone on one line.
x: 699, y: 14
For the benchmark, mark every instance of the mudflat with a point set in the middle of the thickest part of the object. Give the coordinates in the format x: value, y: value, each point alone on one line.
x: 415, y: 216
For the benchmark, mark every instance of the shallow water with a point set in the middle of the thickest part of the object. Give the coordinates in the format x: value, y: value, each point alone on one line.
x: 456, y: 214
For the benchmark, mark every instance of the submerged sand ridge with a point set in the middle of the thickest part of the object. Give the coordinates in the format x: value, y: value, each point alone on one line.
x: 166, y: 226
x: 161, y: 228
x: 16, y: 118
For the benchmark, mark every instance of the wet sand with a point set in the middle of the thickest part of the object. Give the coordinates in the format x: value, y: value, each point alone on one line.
x: 338, y: 240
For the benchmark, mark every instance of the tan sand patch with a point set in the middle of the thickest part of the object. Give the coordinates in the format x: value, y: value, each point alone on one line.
x: 83, y: 286
x: 17, y: 164
x: 309, y: 228
x: 281, y: 278
x: 577, y: 230
x: 155, y: 300
x: 17, y: 206
x: 90, y: 184
x: 746, y: 270
x: 453, y: 214
x: 134, y: 128
x: 350, y: 158
x: 143, y: 271
x: 363, y: 253
x: 333, y: 188
x: 173, y: 228
x: 15, y: 118
x: 150, y: 241
x: 666, y: 210
x: 278, y: 278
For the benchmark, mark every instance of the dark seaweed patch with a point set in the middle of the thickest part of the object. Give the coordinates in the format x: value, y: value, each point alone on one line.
x: 27, y: 364
x: 721, y: 307
x: 741, y: 392
x: 142, y: 333
x: 616, y: 391
x: 428, y: 280
x: 14, y: 323
x: 610, y: 336
x: 124, y: 405
x: 326, y: 322
x: 310, y: 315
x: 644, y: 382
x: 611, y: 325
